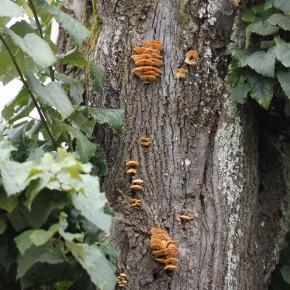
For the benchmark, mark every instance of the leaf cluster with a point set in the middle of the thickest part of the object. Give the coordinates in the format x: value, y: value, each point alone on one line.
x: 264, y: 64
x: 54, y: 221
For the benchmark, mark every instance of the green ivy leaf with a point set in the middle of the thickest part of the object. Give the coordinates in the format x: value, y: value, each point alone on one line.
x: 240, y: 93
x: 263, y: 62
x: 95, y: 263
x: 2, y: 226
x: 75, y: 29
x: 285, y: 272
x: 261, y: 28
x: 283, y: 5
x: 283, y: 53
x: 52, y: 94
x: 41, y: 237
x: 7, y: 203
x: 23, y: 241
x: 284, y: 80
x: 84, y: 149
x: 280, y: 20
x: 96, y: 75
x: 37, y: 48
x: 113, y: 117
x: 91, y: 202
x: 43, y: 254
x: 261, y: 89
x: 10, y: 9
x: 75, y: 58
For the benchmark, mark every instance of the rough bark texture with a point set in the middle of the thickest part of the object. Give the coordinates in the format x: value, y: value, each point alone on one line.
x: 205, y: 155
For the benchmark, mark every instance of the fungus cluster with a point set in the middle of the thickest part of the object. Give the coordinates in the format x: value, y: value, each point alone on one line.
x: 164, y: 248
x: 148, y: 58
x: 145, y: 141
x: 132, y: 164
x: 122, y: 281
x: 135, y: 202
x: 191, y: 57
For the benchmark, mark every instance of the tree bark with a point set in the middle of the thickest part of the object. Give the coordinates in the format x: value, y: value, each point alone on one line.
x: 208, y: 157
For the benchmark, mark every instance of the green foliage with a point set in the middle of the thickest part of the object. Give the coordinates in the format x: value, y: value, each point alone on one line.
x: 261, y: 67
x: 54, y: 221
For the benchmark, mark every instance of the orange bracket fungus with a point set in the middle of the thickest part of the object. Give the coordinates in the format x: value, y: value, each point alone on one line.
x: 185, y: 218
x: 191, y: 56
x: 136, y: 202
x: 147, y: 59
x: 145, y: 141
x: 164, y: 248
x: 136, y: 187
x: 181, y: 73
x: 122, y: 281
x: 132, y: 164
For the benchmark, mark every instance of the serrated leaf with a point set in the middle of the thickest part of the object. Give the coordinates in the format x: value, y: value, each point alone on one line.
x: 239, y: 93
x: 43, y: 254
x: 113, y: 117
x: 261, y: 89
x: 96, y: 75
x: 91, y: 202
x: 5, y: 150
x: 37, y: 48
x: 41, y: 237
x: 263, y: 62
x: 95, y: 263
x: 283, y: 53
x: 75, y: 58
x: 284, y: 80
x: 10, y: 9
x: 285, y: 272
x: 52, y: 94
x: 261, y: 28
x: 280, y: 20
x: 74, y: 28
x: 84, y: 149
x: 240, y: 55
x: 7, y: 203
x: 23, y: 241
x: 283, y: 5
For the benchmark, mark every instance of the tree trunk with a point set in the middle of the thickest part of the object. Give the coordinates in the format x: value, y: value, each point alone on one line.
x: 208, y: 157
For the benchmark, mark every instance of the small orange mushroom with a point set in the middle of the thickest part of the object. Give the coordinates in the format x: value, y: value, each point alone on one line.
x: 144, y: 61
x: 170, y: 267
x: 156, y: 61
x: 148, y: 78
x: 185, y: 218
x: 139, y: 49
x: 136, y: 187
x: 137, y: 181
x: 132, y: 163
x: 136, y: 202
x: 190, y: 56
x: 181, y: 73
x: 154, y: 44
x: 131, y: 171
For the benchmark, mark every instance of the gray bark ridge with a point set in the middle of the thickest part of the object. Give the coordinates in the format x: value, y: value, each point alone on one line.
x: 204, y: 158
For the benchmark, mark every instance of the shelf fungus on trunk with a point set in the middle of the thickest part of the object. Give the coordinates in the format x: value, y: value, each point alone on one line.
x: 164, y: 248
x: 132, y: 164
x: 136, y: 202
x: 191, y: 57
x: 147, y: 58
x: 122, y: 280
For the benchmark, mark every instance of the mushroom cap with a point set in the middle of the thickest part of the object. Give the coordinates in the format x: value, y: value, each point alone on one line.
x: 139, y: 49
x: 148, y: 78
x: 156, y: 55
x: 163, y: 237
x: 170, y: 267
x: 190, y: 61
x: 157, y: 62
x: 185, y: 217
x: 150, y: 72
x: 192, y: 54
x: 144, y: 61
x: 136, y: 187
x: 122, y: 275
x: 157, y: 244
x: 139, y: 70
x: 144, y: 139
x: 146, y: 144
x: 135, y: 200
x: 181, y: 72
x: 131, y: 171
x: 153, y: 44
x: 132, y: 163
x: 137, y: 181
